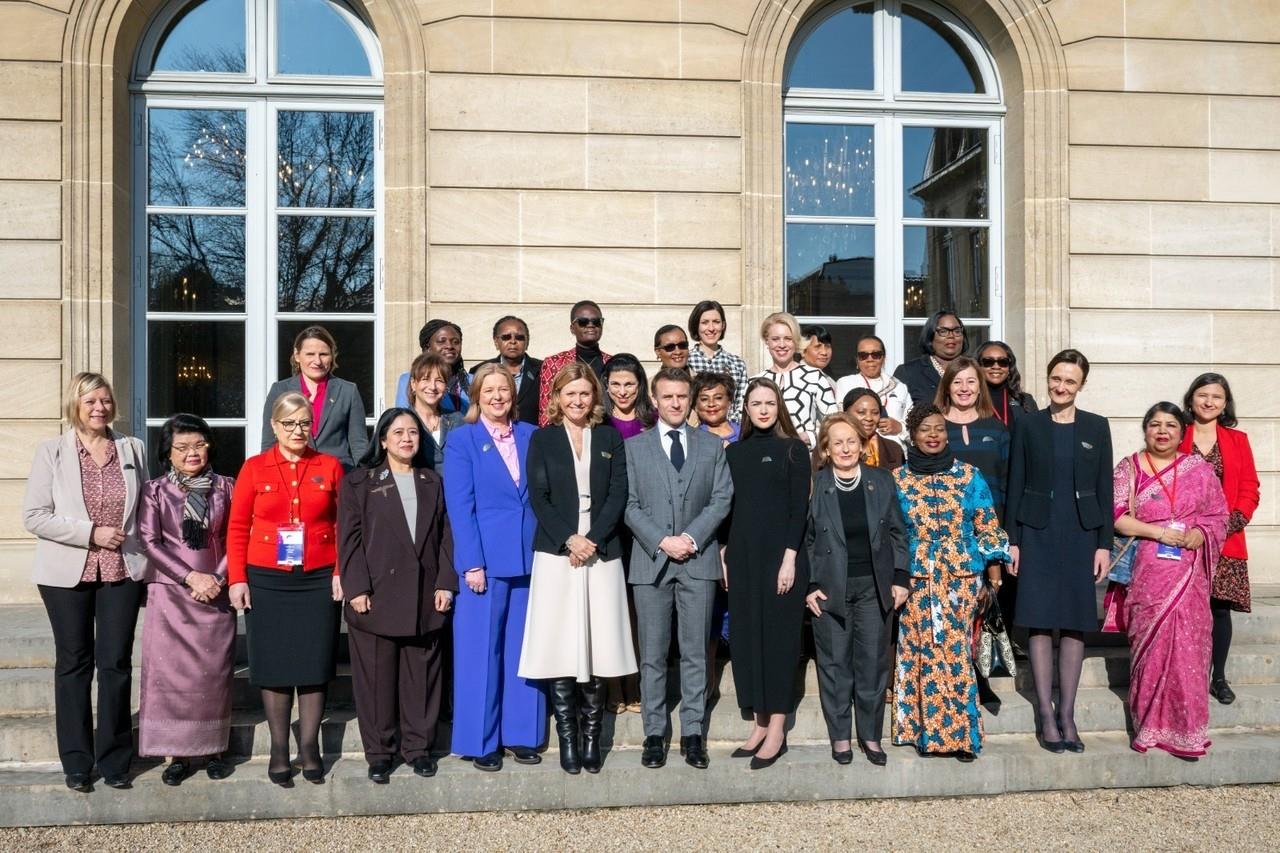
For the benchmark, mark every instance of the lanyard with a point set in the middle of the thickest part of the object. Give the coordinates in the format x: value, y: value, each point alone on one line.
x: 1004, y: 419
x: 1171, y: 495
x: 884, y: 397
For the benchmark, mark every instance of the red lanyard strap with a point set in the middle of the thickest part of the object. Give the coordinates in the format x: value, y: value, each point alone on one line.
x: 1171, y: 495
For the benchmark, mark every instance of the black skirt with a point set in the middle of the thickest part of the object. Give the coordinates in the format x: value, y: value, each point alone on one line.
x: 291, y: 627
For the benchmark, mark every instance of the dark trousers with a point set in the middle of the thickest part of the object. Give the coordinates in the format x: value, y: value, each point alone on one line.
x: 851, y: 640
x: 398, y: 687
x: 93, y: 625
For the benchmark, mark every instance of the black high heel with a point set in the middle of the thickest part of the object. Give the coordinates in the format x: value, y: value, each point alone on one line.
x: 758, y: 763
x: 1057, y: 747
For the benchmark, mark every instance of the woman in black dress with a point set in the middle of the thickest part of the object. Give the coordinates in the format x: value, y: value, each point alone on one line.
x: 766, y: 569
x: 1060, y: 546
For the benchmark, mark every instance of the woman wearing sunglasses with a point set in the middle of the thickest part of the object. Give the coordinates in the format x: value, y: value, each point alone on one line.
x: 1000, y: 368
x: 894, y: 397
x: 671, y: 346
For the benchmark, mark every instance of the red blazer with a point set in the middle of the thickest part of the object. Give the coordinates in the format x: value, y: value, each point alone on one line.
x: 1239, y: 481
x: 264, y: 493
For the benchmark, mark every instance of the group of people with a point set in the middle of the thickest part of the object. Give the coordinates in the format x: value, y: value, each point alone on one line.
x: 529, y: 534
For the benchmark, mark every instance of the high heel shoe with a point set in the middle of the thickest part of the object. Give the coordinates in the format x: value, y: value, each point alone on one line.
x: 1057, y: 747
x: 758, y: 763
x: 743, y: 752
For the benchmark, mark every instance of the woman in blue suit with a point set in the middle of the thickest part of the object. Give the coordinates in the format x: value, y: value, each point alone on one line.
x: 487, y: 494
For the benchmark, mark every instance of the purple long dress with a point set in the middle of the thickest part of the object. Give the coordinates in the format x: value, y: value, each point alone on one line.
x: 188, y: 648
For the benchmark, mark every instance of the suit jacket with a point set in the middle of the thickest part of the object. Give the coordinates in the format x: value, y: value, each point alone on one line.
x: 662, y: 502
x: 553, y: 489
x: 262, y: 500
x: 828, y: 552
x: 1030, y: 491
x: 921, y: 379
x: 492, y: 521
x: 551, y: 365
x: 342, y: 433
x: 53, y: 510
x: 527, y: 396
x: 1239, y: 482
x: 169, y: 558
x: 449, y: 421
x: 380, y: 557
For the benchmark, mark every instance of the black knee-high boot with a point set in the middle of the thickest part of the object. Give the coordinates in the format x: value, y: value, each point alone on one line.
x: 564, y: 704
x: 591, y: 696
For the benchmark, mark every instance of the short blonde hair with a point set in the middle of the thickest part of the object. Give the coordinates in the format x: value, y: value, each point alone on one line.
x: 83, y: 383
x: 572, y: 372
x: 785, y: 319
x: 483, y: 372
x: 822, y: 447
x: 288, y: 403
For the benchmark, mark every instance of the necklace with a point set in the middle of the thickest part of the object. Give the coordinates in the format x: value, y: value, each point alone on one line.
x: 937, y: 365
x: 848, y: 485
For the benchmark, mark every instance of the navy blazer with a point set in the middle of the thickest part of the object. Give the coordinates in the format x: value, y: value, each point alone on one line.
x: 492, y: 520
x: 553, y: 489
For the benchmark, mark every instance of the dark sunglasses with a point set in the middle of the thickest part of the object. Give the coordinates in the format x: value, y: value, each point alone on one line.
x: 675, y: 346
x: 583, y: 322
x: 868, y: 356
x: 513, y: 336
x: 1001, y: 361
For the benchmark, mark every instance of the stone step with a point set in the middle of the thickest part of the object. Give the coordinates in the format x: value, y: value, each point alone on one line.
x: 36, y: 795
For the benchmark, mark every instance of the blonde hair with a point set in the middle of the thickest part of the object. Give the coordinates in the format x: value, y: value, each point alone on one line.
x: 822, y: 447
x: 81, y: 384
x: 288, y: 403
x: 788, y: 320
x: 483, y: 372
x: 572, y: 372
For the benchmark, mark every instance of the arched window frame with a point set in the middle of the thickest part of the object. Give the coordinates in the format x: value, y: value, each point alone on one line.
x: 261, y: 93
x: 888, y: 110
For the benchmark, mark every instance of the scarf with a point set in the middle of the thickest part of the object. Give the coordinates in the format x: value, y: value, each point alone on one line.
x: 927, y: 464
x: 195, y: 509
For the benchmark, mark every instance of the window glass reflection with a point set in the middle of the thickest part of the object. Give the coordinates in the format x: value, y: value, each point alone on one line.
x: 830, y: 170
x: 934, y: 59
x: 226, y: 452
x: 945, y: 269
x: 195, y: 367
x: 355, y: 352
x: 838, y: 54
x: 196, y: 158
x: 844, y: 349
x: 831, y: 270
x: 324, y: 159
x: 944, y: 172
x: 325, y: 263
x: 195, y: 263
x: 208, y: 37
x: 315, y: 38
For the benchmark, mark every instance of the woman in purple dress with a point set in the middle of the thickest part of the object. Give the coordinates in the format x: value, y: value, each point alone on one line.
x: 189, y: 635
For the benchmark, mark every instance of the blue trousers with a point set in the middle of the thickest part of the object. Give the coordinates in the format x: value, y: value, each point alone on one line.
x: 492, y: 705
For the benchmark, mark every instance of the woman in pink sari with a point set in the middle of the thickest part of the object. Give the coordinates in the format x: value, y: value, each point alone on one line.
x: 1179, y: 516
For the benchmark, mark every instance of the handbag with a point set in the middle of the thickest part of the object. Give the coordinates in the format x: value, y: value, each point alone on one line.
x: 1120, y: 569
x: 995, y: 650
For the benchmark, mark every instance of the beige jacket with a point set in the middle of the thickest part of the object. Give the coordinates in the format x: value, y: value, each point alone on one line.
x: 53, y: 509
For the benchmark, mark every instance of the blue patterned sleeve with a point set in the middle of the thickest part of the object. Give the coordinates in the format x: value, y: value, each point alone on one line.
x: 980, y: 512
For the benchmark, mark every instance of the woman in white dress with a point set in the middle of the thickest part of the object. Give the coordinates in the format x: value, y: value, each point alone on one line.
x: 578, y: 631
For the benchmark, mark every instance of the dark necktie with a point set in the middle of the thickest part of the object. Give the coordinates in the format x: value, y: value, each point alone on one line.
x: 677, y: 449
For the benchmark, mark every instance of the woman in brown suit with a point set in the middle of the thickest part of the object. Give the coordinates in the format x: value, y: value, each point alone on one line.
x: 396, y: 556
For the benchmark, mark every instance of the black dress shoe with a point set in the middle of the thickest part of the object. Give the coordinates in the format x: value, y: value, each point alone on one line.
x: 965, y: 757
x: 174, y: 773
x: 218, y: 768
x: 877, y: 757
x: 79, y: 782
x: 490, y: 763
x: 1222, y: 691
x: 1054, y: 746
x: 758, y: 763
x: 1076, y: 746
x: 424, y: 766
x: 694, y: 751
x: 380, y: 772
x: 743, y: 752
x: 842, y: 757
x: 654, y: 754
x: 119, y: 781
x: 524, y: 754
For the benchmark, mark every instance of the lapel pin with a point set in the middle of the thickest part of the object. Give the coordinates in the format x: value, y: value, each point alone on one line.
x: 766, y: 458
x: 383, y: 475
x: 484, y: 448
x: 1086, y: 445
x: 606, y: 454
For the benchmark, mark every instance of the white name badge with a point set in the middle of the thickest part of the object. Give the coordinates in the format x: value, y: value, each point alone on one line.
x: 289, y: 544
x: 1171, y: 552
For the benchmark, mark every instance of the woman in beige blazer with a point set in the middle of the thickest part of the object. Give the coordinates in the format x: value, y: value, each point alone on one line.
x: 80, y: 504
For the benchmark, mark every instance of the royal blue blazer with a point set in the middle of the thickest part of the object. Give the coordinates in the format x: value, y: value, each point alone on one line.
x: 493, y: 523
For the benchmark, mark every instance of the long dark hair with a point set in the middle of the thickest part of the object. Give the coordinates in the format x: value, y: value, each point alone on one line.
x: 782, y: 426
x: 1228, y: 416
x: 644, y: 409
x: 376, y: 455
x: 930, y: 331
x: 1013, y: 384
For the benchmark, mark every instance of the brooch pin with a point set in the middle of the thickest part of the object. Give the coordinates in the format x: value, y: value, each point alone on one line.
x: 382, y: 490
x: 484, y: 448
x: 1086, y: 445
x: 383, y: 475
x: 317, y: 479
x: 766, y: 458
x: 606, y: 454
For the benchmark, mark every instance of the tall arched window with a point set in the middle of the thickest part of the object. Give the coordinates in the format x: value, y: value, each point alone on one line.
x: 892, y: 187
x: 257, y: 136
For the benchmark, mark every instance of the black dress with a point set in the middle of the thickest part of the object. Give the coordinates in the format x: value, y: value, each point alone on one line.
x: 770, y: 509
x: 1055, y: 568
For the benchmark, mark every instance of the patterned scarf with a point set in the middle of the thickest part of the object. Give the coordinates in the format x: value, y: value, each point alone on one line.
x: 195, y: 508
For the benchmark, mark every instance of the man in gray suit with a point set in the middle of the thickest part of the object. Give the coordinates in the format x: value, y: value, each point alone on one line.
x: 678, y: 492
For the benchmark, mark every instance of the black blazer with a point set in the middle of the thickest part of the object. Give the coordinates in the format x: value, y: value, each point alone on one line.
x: 1030, y: 492
x: 553, y: 489
x: 527, y: 396
x: 828, y: 556
x: 378, y: 555
x: 921, y: 379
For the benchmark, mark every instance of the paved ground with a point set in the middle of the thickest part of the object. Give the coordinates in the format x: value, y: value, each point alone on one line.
x: 1225, y: 818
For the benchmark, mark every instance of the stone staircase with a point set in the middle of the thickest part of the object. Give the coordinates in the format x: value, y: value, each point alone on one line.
x: 1246, y: 749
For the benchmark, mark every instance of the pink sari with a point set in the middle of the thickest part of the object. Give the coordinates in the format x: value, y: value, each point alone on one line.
x: 1166, y: 606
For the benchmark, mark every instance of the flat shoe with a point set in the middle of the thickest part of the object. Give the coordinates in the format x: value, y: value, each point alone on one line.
x: 79, y: 782
x: 524, y: 754
x: 218, y: 768
x: 1076, y: 746
x: 119, y: 781
x: 844, y: 757
x: 1222, y: 691
x: 490, y: 763
x: 174, y: 773
x: 424, y: 766
x: 878, y: 758
x: 380, y: 772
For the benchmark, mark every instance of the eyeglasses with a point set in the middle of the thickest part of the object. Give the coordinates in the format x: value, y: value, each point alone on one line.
x: 678, y: 345
x: 584, y: 322
x: 292, y: 426
x: 198, y: 447
x: 1000, y: 361
x: 949, y: 331
x: 870, y: 355
x: 513, y: 336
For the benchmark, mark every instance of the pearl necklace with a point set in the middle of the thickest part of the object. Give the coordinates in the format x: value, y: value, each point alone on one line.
x: 848, y: 485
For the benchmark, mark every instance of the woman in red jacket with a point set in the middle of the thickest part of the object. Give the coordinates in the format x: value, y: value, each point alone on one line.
x: 1212, y: 435
x: 282, y: 566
